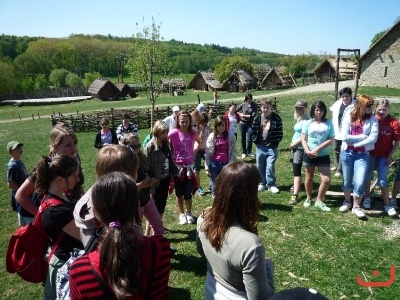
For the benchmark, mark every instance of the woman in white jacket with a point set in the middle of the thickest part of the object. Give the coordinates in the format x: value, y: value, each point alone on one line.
x: 339, y: 109
x: 221, y: 150
x: 360, y: 132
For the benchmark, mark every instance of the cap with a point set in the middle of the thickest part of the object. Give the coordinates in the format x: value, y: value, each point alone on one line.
x: 301, y: 103
x: 201, y: 108
x: 13, y: 144
x: 175, y: 108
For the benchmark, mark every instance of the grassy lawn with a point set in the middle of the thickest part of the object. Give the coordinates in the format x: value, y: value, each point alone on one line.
x: 325, y: 251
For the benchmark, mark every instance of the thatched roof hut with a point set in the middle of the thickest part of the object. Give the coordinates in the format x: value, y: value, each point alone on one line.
x: 272, y: 79
x: 173, y: 84
x: 239, y: 81
x: 125, y: 90
x: 104, y: 90
x: 204, y: 81
x: 326, y: 70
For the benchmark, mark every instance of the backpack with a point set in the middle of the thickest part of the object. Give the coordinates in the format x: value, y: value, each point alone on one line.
x: 62, y: 279
x: 28, y: 246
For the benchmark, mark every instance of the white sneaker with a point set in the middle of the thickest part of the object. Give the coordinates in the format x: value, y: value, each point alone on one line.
x: 190, y: 218
x: 307, y: 203
x: 273, y: 189
x: 393, y: 203
x: 390, y: 211
x: 333, y: 168
x: 345, y: 206
x: 252, y: 155
x: 358, y: 212
x: 261, y: 187
x: 182, y: 219
x: 244, y: 156
x: 367, y: 203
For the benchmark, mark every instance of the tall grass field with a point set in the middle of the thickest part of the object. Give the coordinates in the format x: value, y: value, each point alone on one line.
x: 321, y: 250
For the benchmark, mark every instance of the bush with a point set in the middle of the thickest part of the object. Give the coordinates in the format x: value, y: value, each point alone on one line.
x: 41, y: 82
x: 90, y: 77
x: 58, y: 76
x: 73, y: 80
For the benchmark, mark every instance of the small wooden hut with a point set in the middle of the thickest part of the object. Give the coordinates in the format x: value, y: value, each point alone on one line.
x: 174, y: 84
x: 239, y: 81
x: 326, y: 70
x: 104, y: 90
x: 204, y: 81
x: 272, y: 79
x: 126, y: 90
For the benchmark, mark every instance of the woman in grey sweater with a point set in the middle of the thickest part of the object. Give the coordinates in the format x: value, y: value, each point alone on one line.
x: 227, y: 237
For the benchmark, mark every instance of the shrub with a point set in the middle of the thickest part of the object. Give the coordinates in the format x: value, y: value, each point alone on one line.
x: 58, y: 76
x: 73, y: 80
x: 90, y: 77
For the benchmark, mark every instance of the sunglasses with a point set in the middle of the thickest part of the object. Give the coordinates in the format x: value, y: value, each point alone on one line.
x: 369, y: 106
x: 104, y: 124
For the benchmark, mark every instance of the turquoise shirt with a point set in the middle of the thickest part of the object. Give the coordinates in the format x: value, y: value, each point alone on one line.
x: 317, y: 133
x: 298, y: 127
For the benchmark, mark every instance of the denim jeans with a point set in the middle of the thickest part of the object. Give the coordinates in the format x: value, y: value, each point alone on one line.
x: 245, y: 132
x: 380, y: 164
x: 355, y: 169
x: 215, y: 169
x: 266, y: 158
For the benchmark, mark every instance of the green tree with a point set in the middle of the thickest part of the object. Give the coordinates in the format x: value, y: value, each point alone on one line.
x: 149, y: 62
x: 230, y: 64
x: 58, y: 76
x: 31, y: 64
x: 377, y: 37
x: 90, y: 77
x: 8, y: 78
x: 73, y: 80
x: 41, y: 82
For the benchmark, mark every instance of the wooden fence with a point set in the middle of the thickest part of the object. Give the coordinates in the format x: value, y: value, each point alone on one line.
x: 48, y: 93
x: 81, y: 122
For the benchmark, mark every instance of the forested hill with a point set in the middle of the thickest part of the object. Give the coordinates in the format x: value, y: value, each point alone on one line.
x: 97, y: 53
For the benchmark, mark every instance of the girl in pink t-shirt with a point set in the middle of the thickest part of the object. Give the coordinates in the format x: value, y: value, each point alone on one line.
x: 221, y: 150
x: 184, y: 141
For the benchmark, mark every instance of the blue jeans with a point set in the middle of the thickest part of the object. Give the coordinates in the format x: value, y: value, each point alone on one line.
x: 266, y: 158
x: 352, y: 180
x: 245, y: 132
x: 380, y: 164
x: 215, y: 169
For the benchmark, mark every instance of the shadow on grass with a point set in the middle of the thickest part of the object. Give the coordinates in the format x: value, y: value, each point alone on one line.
x: 190, y: 235
x: 189, y: 263
x: 178, y: 293
x: 276, y: 206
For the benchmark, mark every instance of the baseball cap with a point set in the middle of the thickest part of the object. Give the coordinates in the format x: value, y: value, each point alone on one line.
x: 301, y: 103
x: 13, y: 144
x: 201, y: 108
x: 175, y: 108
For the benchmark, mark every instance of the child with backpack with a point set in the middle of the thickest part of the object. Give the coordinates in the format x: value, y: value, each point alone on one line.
x: 55, y: 177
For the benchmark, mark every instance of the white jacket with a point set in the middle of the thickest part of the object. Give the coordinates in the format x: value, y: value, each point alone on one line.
x: 366, y: 140
x: 211, y: 148
x: 335, y: 108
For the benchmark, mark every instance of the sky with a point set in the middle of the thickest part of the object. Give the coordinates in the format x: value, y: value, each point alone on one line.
x: 280, y: 26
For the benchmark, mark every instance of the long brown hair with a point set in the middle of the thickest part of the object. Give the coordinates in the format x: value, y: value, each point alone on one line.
x: 116, y: 202
x: 236, y: 202
x: 358, y: 113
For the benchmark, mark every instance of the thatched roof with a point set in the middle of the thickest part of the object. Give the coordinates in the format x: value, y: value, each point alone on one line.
x: 271, y: 74
x: 346, y: 67
x: 178, y: 82
x: 240, y: 76
x: 104, y: 89
x: 208, y: 77
x: 125, y: 90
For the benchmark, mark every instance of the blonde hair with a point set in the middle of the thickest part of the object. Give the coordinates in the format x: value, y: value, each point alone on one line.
x: 117, y: 158
x: 57, y: 135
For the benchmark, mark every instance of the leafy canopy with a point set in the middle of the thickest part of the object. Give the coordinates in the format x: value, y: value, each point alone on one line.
x: 231, y: 64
